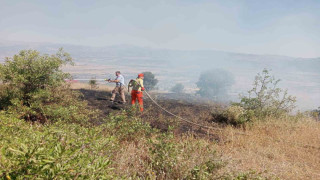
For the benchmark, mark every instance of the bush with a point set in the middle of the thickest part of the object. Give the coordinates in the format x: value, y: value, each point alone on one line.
x: 58, y: 151
x: 235, y: 115
x: 179, y: 159
x: 178, y: 88
x: 266, y: 99
x: 214, y: 84
x: 34, y: 88
x: 316, y: 113
x: 164, y: 155
x: 93, y: 83
x: 149, y: 81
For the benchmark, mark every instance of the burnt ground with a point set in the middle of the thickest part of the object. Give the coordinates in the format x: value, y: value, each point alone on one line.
x: 192, y: 111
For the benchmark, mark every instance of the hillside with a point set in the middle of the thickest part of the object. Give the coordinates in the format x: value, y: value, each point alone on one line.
x: 300, y: 75
x: 283, y: 148
x: 51, y: 129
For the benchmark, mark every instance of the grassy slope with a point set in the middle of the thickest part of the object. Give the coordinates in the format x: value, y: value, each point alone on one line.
x: 127, y: 146
x: 280, y: 147
x: 287, y: 148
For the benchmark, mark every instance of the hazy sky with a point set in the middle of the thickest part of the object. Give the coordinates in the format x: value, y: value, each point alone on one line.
x: 282, y: 27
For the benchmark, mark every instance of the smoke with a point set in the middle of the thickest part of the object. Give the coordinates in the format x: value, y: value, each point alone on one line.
x: 215, y: 84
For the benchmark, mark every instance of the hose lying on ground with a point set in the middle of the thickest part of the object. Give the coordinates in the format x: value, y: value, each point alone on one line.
x: 185, y: 120
x: 182, y: 119
x: 188, y: 121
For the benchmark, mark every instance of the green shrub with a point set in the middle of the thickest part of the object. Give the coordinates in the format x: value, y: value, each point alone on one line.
x: 93, y: 83
x: 149, y: 81
x: 215, y: 83
x: 33, y: 88
x: 58, y: 151
x: 163, y: 152
x: 205, y: 170
x: 266, y: 98
x: 178, y: 88
x: 128, y: 128
x: 235, y: 115
x: 252, y: 175
x: 316, y: 113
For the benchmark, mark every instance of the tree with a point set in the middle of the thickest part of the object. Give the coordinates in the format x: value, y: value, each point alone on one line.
x: 149, y: 80
x: 34, y: 88
x: 93, y: 83
x: 266, y: 99
x: 178, y: 88
x: 316, y: 113
x: 214, y: 83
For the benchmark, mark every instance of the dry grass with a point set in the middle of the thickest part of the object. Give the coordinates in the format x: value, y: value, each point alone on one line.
x: 276, y: 148
x: 134, y: 158
x: 287, y: 148
x: 131, y: 159
x: 101, y: 87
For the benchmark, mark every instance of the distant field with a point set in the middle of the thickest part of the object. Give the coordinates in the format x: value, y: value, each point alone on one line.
x: 301, y: 76
x: 101, y: 87
x: 305, y: 86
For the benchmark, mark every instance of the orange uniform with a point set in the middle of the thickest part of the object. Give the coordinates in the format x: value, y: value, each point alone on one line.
x: 136, y: 93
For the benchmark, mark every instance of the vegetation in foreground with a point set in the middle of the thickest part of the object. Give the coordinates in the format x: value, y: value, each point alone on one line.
x: 63, y: 141
x: 123, y: 147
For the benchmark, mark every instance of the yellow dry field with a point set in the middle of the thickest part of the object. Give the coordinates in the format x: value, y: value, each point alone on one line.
x: 276, y: 149
x: 100, y: 87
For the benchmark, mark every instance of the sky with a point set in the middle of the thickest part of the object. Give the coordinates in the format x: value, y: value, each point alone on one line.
x: 277, y: 27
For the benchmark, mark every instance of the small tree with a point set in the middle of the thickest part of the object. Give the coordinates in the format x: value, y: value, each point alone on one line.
x: 33, y: 88
x: 149, y: 80
x: 316, y: 113
x: 93, y: 83
x: 214, y: 83
x: 266, y: 99
x: 178, y: 88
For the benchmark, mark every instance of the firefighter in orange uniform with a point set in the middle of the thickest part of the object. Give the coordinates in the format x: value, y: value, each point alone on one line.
x: 136, y: 93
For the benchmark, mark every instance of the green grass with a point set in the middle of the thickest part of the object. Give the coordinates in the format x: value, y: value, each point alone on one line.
x: 59, y: 150
x: 64, y: 150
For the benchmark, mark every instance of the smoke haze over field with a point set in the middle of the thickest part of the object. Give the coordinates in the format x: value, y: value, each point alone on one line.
x: 177, y: 40
x: 300, y: 76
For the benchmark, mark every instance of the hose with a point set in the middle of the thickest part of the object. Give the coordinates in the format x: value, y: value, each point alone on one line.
x: 182, y: 119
